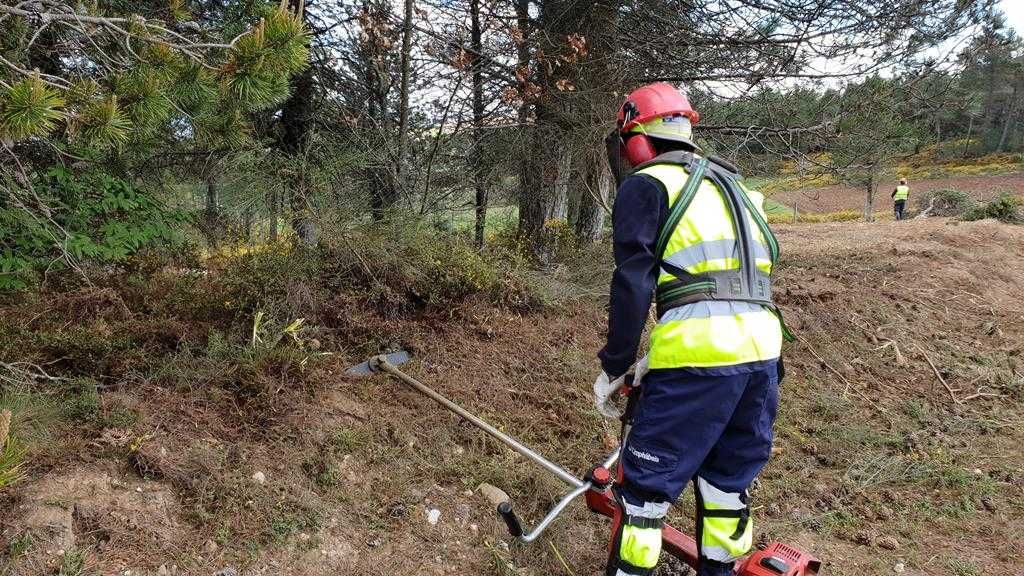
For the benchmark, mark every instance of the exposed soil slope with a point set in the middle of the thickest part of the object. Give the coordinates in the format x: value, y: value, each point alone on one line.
x: 842, y: 197
x: 879, y: 468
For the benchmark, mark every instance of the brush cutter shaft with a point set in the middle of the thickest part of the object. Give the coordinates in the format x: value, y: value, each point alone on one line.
x: 381, y: 363
x: 776, y: 559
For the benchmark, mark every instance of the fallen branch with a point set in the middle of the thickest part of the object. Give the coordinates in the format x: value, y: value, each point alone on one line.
x: 21, y: 373
x: 980, y: 394
x: 952, y: 393
x: 927, y: 211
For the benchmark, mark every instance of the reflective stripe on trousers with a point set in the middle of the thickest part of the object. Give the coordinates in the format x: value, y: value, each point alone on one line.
x: 639, y: 547
x: 726, y: 531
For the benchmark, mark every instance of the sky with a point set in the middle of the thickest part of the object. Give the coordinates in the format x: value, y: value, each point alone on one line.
x: 1014, y: 10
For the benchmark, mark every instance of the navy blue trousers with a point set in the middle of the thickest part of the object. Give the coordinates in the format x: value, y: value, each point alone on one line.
x: 688, y: 423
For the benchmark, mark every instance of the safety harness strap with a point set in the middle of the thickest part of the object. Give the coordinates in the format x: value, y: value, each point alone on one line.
x: 682, y: 201
x: 643, y: 522
x: 743, y: 514
x: 748, y: 283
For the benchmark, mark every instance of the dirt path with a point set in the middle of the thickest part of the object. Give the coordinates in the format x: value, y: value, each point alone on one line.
x: 835, y: 198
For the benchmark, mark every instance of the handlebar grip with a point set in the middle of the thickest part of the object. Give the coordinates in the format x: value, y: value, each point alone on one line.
x: 515, y: 528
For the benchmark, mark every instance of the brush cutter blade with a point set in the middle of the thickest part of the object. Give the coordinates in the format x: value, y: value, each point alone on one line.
x: 368, y: 367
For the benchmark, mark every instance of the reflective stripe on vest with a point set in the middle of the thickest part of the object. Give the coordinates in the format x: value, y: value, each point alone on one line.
x: 711, y: 333
x: 902, y: 193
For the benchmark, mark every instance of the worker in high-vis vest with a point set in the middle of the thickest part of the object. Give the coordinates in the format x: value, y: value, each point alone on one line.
x: 899, y: 198
x: 690, y: 234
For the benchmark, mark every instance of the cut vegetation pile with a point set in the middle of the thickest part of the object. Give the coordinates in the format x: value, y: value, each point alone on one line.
x: 184, y: 421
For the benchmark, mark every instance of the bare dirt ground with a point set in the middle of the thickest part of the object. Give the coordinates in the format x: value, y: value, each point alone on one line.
x: 836, y: 198
x: 898, y: 442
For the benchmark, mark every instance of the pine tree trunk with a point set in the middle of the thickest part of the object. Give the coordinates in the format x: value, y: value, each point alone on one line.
x: 212, y: 215
x: 967, y: 141
x: 559, y: 208
x: 247, y: 223
x: 297, y: 125
x: 531, y: 203
x: 869, y: 203
x: 479, y: 183
x: 402, y: 169
x: 272, y: 204
x: 1011, y: 118
x: 599, y: 79
x: 381, y: 173
x: 594, y: 197
x: 533, y: 189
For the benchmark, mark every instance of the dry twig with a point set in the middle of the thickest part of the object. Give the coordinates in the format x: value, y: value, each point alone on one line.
x: 849, y: 385
x: 952, y: 392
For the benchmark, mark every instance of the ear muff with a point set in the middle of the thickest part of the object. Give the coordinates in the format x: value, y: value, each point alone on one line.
x: 639, y: 149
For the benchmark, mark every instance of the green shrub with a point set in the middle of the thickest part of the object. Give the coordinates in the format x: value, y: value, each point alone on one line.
x: 263, y: 278
x: 82, y: 399
x: 91, y: 217
x: 417, y: 266
x: 1006, y: 208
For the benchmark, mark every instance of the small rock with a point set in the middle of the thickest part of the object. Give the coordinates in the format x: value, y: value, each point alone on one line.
x: 492, y: 493
x: 885, y: 513
x: 474, y: 528
x: 163, y: 571
x: 260, y: 478
x: 226, y: 572
x: 863, y: 537
x: 375, y: 543
x: 888, y: 543
x: 988, y: 504
x: 433, y: 516
x: 899, y: 568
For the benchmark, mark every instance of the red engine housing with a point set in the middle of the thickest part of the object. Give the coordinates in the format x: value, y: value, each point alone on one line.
x: 778, y: 559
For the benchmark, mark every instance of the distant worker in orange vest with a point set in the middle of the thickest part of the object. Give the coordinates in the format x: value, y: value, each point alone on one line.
x: 899, y: 196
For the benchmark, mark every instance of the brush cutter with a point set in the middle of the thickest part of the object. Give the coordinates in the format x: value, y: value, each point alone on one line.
x: 776, y: 559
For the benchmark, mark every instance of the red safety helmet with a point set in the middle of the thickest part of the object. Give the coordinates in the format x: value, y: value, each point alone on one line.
x: 648, y: 113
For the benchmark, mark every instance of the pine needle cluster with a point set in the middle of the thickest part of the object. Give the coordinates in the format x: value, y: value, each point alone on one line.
x: 126, y: 80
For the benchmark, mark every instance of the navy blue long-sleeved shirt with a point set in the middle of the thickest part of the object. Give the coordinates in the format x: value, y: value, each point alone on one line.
x: 641, y: 207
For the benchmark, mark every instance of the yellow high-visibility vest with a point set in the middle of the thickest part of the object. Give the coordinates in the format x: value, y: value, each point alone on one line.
x: 704, y: 242
x: 902, y: 192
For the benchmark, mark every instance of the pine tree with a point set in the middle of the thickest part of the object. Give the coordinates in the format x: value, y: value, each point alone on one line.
x: 117, y: 80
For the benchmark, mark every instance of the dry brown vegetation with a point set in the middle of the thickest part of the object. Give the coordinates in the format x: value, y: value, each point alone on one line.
x: 176, y: 442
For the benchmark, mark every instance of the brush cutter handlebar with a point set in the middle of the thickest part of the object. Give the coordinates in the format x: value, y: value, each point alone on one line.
x: 515, y: 526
